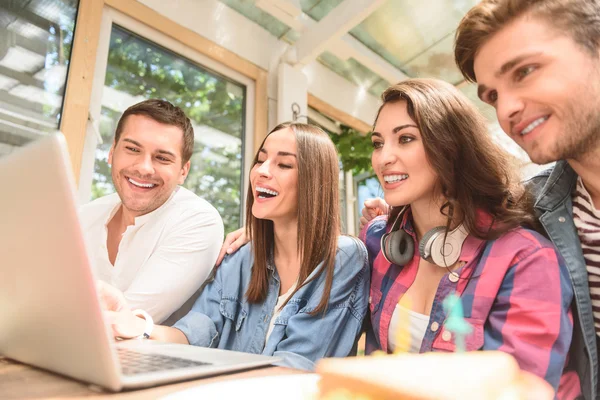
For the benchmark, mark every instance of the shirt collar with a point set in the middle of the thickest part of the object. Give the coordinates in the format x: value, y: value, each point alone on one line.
x: 142, y: 219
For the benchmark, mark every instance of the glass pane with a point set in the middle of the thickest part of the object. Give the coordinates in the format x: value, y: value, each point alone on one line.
x: 367, y: 187
x: 355, y: 72
x: 401, y: 30
x: 137, y: 70
x: 36, y: 37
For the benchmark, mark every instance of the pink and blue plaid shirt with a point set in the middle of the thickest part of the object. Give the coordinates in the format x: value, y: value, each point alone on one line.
x: 515, y: 292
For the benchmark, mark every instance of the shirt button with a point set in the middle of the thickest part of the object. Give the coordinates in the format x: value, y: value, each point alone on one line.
x: 435, y: 326
x: 561, y: 219
x: 446, y: 336
x: 453, y: 277
x: 370, y: 299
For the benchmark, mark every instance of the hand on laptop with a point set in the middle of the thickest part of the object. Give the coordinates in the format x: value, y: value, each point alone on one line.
x: 373, y: 208
x: 117, y: 314
x: 232, y: 243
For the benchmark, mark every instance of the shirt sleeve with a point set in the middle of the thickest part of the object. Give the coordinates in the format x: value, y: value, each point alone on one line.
x: 531, y: 318
x: 204, y: 322
x: 334, y: 333
x: 178, y: 266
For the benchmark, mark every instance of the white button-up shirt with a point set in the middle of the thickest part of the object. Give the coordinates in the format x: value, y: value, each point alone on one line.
x: 163, y: 258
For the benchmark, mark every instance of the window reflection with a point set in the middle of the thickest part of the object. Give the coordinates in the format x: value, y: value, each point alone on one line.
x: 36, y: 37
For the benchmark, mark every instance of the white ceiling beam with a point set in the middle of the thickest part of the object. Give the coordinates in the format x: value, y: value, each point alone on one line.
x: 284, y: 13
x: 370, y: 59
x: 332, y: 27
x: 343, y: 48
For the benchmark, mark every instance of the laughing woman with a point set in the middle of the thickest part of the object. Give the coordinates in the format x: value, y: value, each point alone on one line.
x: 280, y: 292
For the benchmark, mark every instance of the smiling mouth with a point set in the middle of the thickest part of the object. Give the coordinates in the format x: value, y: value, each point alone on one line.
x: 140, y: 184
x: 534, y: 125
x: 395, y: 178
x: 264, y: 193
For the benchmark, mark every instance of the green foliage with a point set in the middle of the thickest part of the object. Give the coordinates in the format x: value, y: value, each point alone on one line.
x: 143, y: 70
x: 354, y: 150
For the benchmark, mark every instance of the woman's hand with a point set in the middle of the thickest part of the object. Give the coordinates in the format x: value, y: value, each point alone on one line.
x: 232, y: 243
x: 117, y: 313
x: 373, y: 208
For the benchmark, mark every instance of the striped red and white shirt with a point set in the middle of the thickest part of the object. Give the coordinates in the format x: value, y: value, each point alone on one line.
x: 587, y: 221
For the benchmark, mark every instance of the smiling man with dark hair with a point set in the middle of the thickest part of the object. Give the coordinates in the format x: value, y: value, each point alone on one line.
x: 154, y: 240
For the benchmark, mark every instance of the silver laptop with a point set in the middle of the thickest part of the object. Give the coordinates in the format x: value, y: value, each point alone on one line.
x: 50, y: 315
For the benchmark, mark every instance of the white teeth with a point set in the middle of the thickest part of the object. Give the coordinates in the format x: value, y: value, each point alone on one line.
x: 267, y: 191
x: 533, y: 125
x: 143, y: 185
x: 394, y: 178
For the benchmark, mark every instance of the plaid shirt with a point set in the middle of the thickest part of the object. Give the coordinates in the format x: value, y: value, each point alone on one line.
x: 515, y: 292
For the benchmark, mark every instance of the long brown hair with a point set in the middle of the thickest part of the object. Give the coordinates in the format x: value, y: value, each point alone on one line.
x: 318, y: 214
x: 473, y: 172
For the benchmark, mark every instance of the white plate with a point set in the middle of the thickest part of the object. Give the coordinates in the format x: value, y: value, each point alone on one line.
x: 289, y: 387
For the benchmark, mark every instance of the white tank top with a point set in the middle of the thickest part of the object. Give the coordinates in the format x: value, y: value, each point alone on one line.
x: 418, y: 324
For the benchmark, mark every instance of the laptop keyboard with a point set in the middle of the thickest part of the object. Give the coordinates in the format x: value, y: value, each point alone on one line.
x: 133, y: 362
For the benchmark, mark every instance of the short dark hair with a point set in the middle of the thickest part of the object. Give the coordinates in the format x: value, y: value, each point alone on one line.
x: 166, y: 113
x: 579, y: 19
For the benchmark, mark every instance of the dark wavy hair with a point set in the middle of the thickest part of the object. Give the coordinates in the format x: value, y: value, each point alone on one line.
x: 474, y: 174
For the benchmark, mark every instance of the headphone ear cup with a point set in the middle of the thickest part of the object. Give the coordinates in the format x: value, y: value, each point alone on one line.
x: 398, y: 247
x: 427, y: 241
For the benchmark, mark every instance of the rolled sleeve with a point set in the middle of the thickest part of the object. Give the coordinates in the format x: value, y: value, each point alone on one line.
x: 199, y: 329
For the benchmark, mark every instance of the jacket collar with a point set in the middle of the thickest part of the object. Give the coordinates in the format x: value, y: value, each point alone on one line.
x: 558, y: 187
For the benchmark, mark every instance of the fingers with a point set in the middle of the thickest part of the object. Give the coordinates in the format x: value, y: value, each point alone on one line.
x: 363, y: 222
x: 232, y: 243
x: 111, y: 298
x: 124, y: 324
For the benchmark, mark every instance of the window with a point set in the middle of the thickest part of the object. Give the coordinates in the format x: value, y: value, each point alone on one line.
x: 138, y: 69
x: 36, y: 37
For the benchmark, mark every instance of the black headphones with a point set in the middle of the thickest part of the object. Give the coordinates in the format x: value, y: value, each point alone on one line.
x: 398, y: 247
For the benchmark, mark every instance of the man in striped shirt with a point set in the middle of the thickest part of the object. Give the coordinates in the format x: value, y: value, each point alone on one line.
x: 537, y: 63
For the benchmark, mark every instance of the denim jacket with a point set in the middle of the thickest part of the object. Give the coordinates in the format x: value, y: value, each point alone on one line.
x: 223, y: 318
x: 553, y: 192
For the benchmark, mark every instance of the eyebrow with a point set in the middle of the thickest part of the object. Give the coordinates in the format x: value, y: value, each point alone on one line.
x: 280, y: 153
x: 507, y: 66
x: 159, y: 151
x: 396, y: 129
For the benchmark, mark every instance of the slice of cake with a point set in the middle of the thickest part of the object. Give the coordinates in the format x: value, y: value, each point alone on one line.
x: 482, y: 375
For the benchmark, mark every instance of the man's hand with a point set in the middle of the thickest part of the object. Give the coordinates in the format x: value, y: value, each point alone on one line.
x: 232, y: 243
x: 373, y: 208
x: 117, y: 314
x: 124, y: 324
x: 111, y: 298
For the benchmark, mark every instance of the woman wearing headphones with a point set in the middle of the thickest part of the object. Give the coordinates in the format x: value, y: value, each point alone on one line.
x: 455, y: 225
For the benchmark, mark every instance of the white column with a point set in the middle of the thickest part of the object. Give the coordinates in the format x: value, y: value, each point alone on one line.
x: 292, y: 87
x: 350, y: 204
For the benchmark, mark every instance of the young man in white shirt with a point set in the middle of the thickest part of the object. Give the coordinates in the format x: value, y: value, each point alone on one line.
x: 154, y: 240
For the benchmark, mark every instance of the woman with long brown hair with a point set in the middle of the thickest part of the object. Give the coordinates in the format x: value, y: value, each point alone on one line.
x: 457, y: 225
x: 299, y: 290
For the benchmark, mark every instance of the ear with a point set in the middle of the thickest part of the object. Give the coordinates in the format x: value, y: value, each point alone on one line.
x: 110, y: 153
x: 185, y: 169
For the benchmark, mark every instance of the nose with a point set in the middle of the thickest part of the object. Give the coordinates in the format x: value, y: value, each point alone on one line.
x: 388, y: 155
x: 508, y: 109
x: 145, y: 166
x: 264, y: 169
